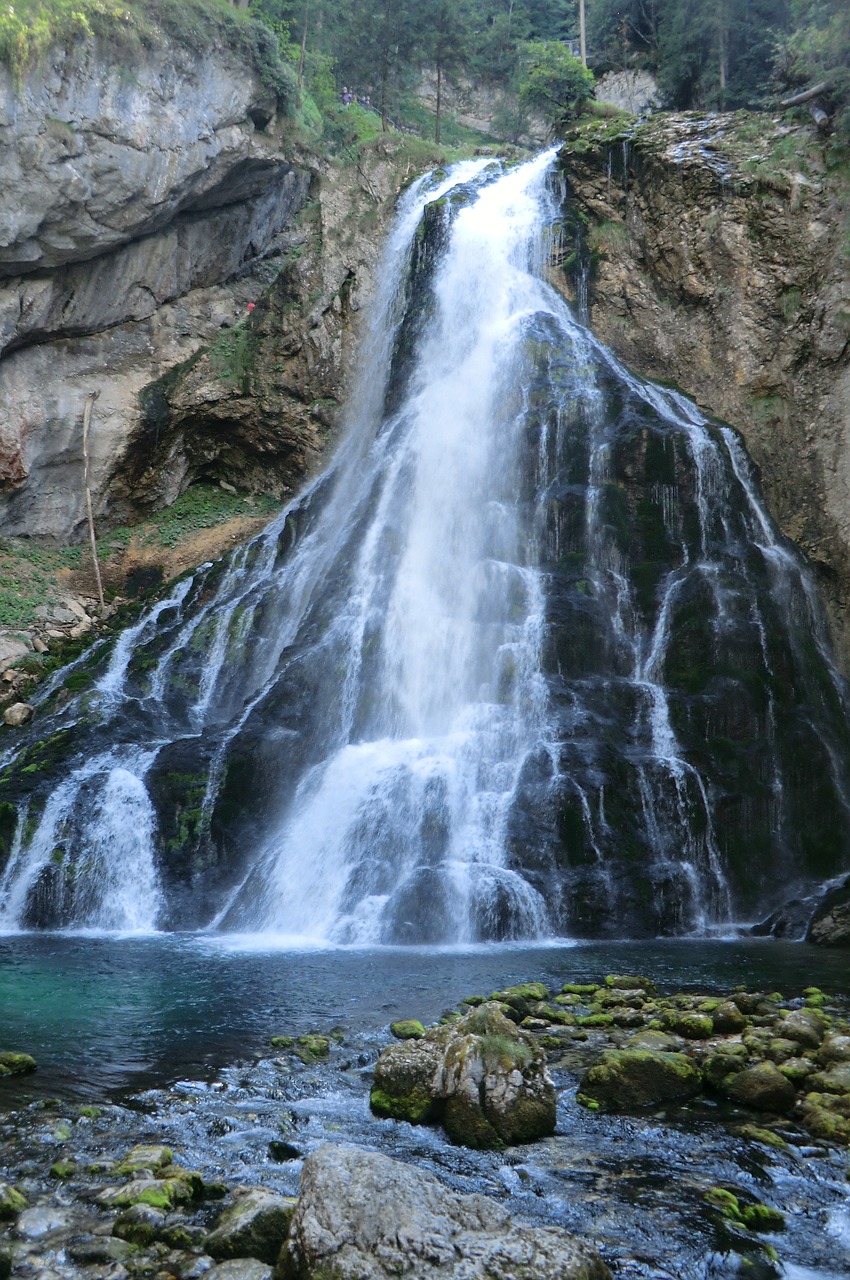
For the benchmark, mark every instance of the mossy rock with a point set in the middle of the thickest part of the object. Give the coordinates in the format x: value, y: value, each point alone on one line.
x: 654, y: 1041
x: 312, y: 1048
x: 146, y: 1156
x: 467, y: 1126
x: 693, y: 1026
x: 797, y: 1069
x: 630, y: 982
x: 595, y: 1020
x: 254, y: 1226
x: 725, y: 1202
x: 579, y: 988
x: 761, y: 1217
x: 762, y: 1087
x: 63, y: 1169
x: 407, y: 1029
x: 474, y: 1001
x: 11, y: 1202
x: 281, y: 1042
x: 805, y: 1026
x: 718, y: 1067
x: 16, y: 1064
x: 728, y: 1018
x: 528, y: 991
x: 827, y: 1115
x: 403, y: 1084
x: 836, y: 1079
x: 766, y: 1137
x: 640, y: 1078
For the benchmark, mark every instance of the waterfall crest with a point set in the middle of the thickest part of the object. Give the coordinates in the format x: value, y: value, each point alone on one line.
x: 528, y: 659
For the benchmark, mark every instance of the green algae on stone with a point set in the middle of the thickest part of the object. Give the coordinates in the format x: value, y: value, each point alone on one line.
x: 762, y: 1087
x: 640, y: 1078
x: 63, y: 1169
x: 11, y: 1202
x: 407, y: 1029
x: 630, y: 982
x: 16, y: 1064
x: 827, y: 1115
x: 767, y: 1137
x: 761, y: 1217
x: 312, y: 1048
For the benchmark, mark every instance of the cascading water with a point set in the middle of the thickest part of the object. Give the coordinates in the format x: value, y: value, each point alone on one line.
x: 528, y: 659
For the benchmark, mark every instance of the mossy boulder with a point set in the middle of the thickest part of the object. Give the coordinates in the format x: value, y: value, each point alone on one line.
x: 254, y: 1226
x: 835, y: 1047
x: 836, y: 1079
x: 16, y: 1064
x: 151, y: 1156
x: 404, y: 1083
x: 797, y: 1069
x: 579, y: 988
x: 407, y: 1029
x: 481, y: 1075
x: 654, y: 1041
x: 11, y: 1202
x: 312, y: 1048
x: 630, y: 982
x: 639, y: 1078
x: 762, y: 1087
x: 728, y: 1018
x: 720, y: 1066
x: 692, y: 1026
x: 827, y: 1115
x: 806, y: 1027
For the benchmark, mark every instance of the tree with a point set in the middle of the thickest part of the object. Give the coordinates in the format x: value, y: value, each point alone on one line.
x: 376, y: 46
x: 445, y: 43
x: 552, y: 81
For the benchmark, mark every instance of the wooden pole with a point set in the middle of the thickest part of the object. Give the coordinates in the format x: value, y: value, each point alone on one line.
x: 582, y: 33
x: 90, y: 399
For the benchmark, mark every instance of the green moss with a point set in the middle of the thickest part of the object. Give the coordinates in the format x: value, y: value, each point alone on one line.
x: 591, y: 1020
x: 407, y: 1029
x: 312, y: 1048
x: 416, y: 1106
x: 726, y: 1202
x: 761, y: 1217
x: 63, y: 1169
x: 16, y: 1064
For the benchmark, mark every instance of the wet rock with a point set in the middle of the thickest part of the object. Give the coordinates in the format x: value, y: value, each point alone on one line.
x: 762, y: 1087
x: 283, y: 1151
x: 835, y: 1048
x: 140, y: 1224
x: 654, y: 1041
x: 639, y: 1078
x: 240, y: 1269
x: 830, y: 925
x: 806, y: 1027
x: 11, y: 1202
x: 90, y: 1250
x: 407, y: 1029
x: 42, y: 1220
x: 145, y: 1156
x: 796, y: 1069
x: 18, y: 714
x: 728, y: 1018
x: 827, y: 1115
x: 726, y: 1062
x: 254, y: 1226
x: 693, y: 1026
x: 629, y: 982
x: 363, y: 1216
x: 312, y: 1048
x: 482, y: 1076
x: 835, y: 1080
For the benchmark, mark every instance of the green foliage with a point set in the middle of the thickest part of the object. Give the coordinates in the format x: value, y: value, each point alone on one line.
x: 201, y: 507
x: 553, y: 82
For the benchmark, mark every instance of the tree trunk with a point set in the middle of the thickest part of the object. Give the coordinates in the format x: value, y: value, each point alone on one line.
x: 303, y: 49
x: 439, y: 100
x: 90, y: 399
x: 582, y: 33
x: 385, y: 126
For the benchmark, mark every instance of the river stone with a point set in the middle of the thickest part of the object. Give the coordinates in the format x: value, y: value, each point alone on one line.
x: 11, y: 1202
x: 18, y: 714
x: 834, y: 1080
x: 762, y: 1087
x: 239, y: 1269
x: 835, y: 1048
x: 827, y: 1115
x: 728, y: 1018
x: 252, y: 1227
x: 42, y: 1221
x: 805, y: 1026
x: 639, y: 1078
x: 363, y: 1216
x: 480, y: 1074
x: 16, y: 1064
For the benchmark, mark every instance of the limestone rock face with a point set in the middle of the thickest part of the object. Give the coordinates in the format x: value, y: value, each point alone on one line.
x: 719, y: 265
x: 481, y: 1075
x: 134, y: 212
x: 363, y: 1216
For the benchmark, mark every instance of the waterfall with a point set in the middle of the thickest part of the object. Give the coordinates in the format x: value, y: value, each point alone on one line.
x: 528, y: 659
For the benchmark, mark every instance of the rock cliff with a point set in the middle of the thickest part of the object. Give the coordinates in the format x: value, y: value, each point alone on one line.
x: 144, y: 212
x: 719, y: 261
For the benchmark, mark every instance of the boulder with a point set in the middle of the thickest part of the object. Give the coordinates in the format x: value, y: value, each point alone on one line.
x: 762, y: 1087
x: 481, y: 1075
x: 11, y: 1202
x: 639, y: 1078
x: 827, y: 1115
x: 363, y: 1216
x: 806, y: 1027
x: 16, y: 1064
x: 18, y: 714
x: 254, y: 1226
